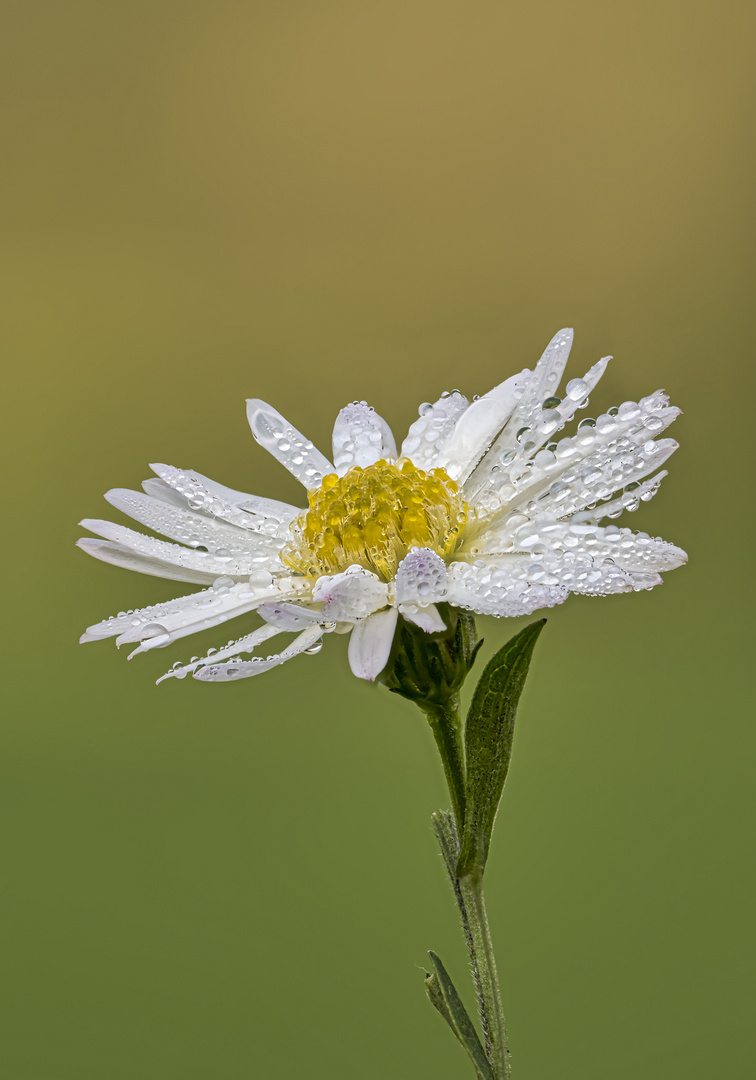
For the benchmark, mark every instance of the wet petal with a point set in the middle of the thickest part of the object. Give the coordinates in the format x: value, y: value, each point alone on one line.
x: 360, y: 437
x: 194, y: 529
x: 208, y: 497
x: 127, y: 559
x: 370, y: 644
x: 490, y: 587
x: 427, y: 618
x: 182, y: 616
x: 205, y: 566
x: 287, y: 445
x: 244, y: 669
x: 244, y: 644
x: 479, y: 425
x: 430, y: 433
x: 288, y: 616
x: 350, y: 596
x: 421, y: 578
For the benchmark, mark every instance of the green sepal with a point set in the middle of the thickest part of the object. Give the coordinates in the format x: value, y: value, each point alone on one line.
x: 430, y: 668
x: 489, y: 731
x: 444, y: 997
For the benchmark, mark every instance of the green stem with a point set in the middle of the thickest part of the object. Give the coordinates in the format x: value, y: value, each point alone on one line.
x: 446, y: 724
x: 484, y: 966
x: 468, y: 893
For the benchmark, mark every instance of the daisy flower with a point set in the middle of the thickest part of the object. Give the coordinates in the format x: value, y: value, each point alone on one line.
x: 483, y: 507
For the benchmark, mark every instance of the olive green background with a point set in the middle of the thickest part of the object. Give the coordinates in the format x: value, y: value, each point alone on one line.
x: 312, y: 203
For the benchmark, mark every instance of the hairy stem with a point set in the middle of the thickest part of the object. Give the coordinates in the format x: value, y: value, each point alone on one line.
x: 478, y: 934
x: 468, y: 893
x: 446, y: 725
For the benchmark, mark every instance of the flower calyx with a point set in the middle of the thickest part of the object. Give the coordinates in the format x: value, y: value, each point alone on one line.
x: 428, y: 668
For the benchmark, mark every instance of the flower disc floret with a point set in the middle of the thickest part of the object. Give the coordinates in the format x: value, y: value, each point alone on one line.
x: 373, y: 517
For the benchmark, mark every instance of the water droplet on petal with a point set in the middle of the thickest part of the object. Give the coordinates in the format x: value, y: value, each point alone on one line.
x: 577, y: 389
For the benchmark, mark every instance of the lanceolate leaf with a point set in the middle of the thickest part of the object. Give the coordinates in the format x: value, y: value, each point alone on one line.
x: 444, y: 997
x: 488, y: 743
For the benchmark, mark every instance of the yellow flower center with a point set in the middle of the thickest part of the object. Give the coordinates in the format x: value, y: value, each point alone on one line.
x: 373, y: 517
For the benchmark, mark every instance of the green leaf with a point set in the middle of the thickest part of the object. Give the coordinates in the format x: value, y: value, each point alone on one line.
x: 489, y: 731
x: 444, y: 997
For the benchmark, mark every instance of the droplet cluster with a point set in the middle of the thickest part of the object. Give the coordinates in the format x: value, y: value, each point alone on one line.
x: 604, y: 455
x: 433, y: 427
x: 201, y: 533
x: 292, y: 449
x: 422, y: 578
x: 504, y: 592
x: 360, y: 437
x: 204, y: 496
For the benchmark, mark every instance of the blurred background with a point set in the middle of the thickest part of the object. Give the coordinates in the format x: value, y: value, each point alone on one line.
x: 315, y: 203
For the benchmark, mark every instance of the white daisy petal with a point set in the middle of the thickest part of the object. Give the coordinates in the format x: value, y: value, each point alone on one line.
x: 421, y: 578
x: 580, y: 483
x: 560, y: 543
x: 237, y: 507
x: 246, y: 644
x: 427, y: 618
x: 350, y: 596
x: 430, y: 433
x: 211, y: 564
x: 479, y: 425
x: 546, y: 376
x: 523, y: 435
x: 243, y: 669
x: 615, y: 449
x: 241, y: 603
x: 564, y: 493
x: 128, y: 559
x: 158, y: 489
x: 599, y: 477
x: 631, y: 500
x: 168, y: 615
x: 184, y: 615
x: 360, y: 437
x: 604, y: 581
x: 287, y: 445
x: 577, y: 391
x: 194, y: 530
x: 288, y: 616
x: 491, y: 588
x: 370, y: 644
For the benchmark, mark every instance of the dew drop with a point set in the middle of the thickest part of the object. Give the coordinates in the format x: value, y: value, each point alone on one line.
x: 577, y: 389
x: 261, y: 578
